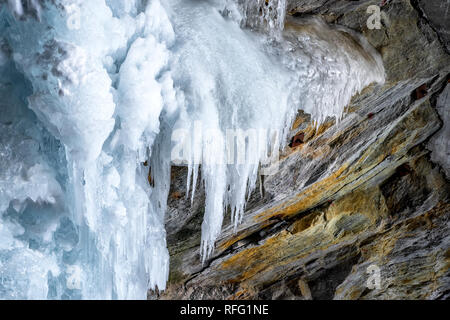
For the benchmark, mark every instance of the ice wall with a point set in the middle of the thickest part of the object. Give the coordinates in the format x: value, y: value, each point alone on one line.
x: 96, y: 77
x: 96, y: 96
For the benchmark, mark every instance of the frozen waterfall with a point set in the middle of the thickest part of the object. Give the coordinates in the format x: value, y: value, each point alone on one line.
x: 99, y: 98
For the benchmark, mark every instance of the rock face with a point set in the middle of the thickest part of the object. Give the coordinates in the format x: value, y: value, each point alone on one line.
x: 365, y: 197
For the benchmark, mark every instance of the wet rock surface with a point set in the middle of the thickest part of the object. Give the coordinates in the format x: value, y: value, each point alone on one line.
x: 371, y: 190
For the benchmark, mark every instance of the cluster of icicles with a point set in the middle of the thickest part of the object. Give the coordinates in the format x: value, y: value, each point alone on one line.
x: 93, y: 93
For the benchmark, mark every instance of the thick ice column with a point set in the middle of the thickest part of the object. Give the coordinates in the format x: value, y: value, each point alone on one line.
x: 93, y: 77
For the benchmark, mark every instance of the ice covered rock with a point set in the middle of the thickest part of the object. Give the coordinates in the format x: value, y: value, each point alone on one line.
x: 100, y: 92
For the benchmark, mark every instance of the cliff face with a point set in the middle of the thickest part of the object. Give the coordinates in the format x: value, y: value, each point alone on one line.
x: 367, y: 194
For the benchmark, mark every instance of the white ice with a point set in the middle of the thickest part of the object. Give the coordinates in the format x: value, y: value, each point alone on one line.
x: 93, y: 96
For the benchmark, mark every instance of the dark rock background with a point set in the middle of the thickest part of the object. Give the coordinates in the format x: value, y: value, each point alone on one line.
x: 372, y: 190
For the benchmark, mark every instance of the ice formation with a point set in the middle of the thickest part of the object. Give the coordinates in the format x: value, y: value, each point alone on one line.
x: 95, y: 94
